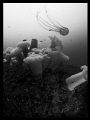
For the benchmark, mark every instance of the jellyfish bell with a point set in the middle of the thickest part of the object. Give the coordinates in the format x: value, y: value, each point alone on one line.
x: 64, y: 31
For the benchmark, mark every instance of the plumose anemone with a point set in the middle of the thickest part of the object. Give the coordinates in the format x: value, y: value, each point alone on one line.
x: 39, y: 61
x: 77, y: 79
x: 24, y: 45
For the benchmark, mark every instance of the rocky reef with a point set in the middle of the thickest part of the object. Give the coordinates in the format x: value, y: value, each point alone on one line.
x: 46, y: 96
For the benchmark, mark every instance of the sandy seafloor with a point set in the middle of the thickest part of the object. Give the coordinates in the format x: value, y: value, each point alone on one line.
x: 28, y: 96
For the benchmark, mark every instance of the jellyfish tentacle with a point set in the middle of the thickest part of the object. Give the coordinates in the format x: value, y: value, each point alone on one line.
x: 42, y: 20
x: 50, y: 18
x: 59, y: 24
x: 45, y: 24
x: 41, y: 25
x: 39, y: 22
x: 40, y: 9
x: 62, y: 30
x: 54, y: 20
x: 39, y: 19
x: 56, y: 30
x: 51, y: 26
x: 45, y: 21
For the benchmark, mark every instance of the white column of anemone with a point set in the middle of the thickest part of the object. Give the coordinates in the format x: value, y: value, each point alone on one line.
x: 77, y: 79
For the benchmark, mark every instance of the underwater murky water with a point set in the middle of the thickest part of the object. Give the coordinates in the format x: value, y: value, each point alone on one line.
x: 20, y: 23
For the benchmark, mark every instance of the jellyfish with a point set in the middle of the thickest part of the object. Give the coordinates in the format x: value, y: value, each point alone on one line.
x: 51, y: 26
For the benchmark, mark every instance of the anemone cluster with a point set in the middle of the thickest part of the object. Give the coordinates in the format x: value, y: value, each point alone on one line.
x: 35, y: 59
